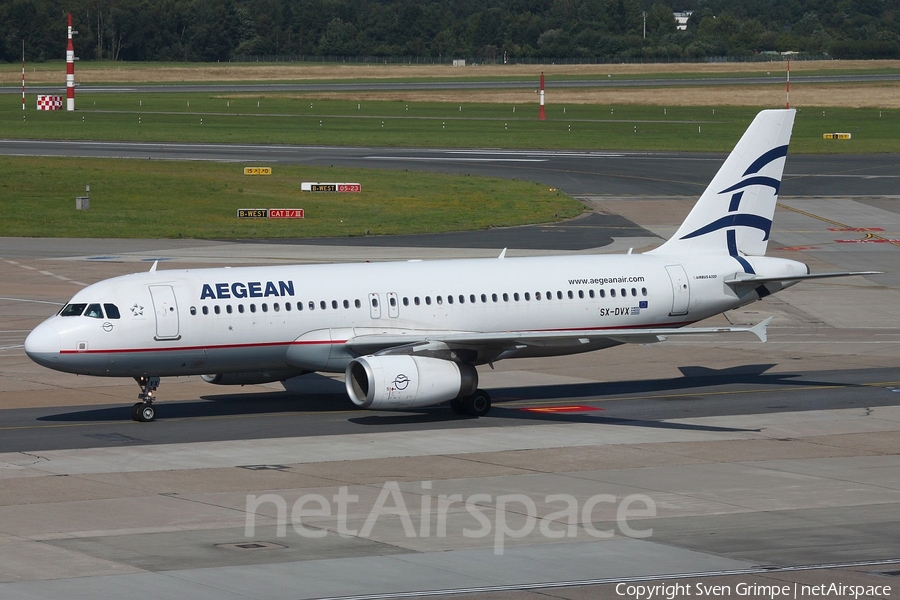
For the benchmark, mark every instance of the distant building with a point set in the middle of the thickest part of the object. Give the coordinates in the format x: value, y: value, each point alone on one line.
x: 681, y: 19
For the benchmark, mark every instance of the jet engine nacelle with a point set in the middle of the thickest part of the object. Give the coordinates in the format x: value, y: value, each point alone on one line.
x: 249, y: 378
x: 398, y: 382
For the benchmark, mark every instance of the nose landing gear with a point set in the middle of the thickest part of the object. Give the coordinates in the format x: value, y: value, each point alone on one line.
x: 144, y: 411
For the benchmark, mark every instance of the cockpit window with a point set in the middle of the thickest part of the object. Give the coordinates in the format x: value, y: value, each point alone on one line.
x: 72, y: 310
x: 94, y: 311
x: 112, y: 311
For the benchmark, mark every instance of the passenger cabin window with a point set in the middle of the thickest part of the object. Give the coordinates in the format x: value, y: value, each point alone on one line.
x: 228, y: 308
x: 193, y: 310
x: 205, y: 310
x: 216, y: 309
x: 346, y: 304
x: 240, y: 308
x: 112, y: 311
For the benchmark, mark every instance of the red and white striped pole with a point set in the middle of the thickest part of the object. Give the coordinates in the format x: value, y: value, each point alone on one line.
x: 542, y: 114
x: 23, y: 75
x: 70, y: 69
x: 787, y: 98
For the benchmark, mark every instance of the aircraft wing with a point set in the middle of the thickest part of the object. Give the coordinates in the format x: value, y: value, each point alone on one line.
x: 515, y: 340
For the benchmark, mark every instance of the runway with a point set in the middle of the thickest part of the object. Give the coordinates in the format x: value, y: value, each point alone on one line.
x: 750, y: 463
x: 651, y: 174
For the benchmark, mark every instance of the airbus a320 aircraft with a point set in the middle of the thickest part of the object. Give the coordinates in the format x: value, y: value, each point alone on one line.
x: 410, y: 334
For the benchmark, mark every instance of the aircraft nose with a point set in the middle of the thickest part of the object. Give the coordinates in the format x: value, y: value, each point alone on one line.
x: 42, y: 345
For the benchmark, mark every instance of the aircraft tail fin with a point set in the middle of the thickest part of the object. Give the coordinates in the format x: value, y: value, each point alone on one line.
x: 734, y: 214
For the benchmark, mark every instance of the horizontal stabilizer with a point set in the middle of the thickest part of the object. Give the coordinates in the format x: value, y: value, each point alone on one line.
x: 749, y: 280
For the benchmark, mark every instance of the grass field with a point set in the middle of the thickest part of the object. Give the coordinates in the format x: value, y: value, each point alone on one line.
x: 199, y: 200
x: 293, y: 119
x: 163, y: 199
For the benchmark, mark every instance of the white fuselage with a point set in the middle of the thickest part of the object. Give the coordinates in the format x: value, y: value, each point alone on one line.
x: 293, y: 319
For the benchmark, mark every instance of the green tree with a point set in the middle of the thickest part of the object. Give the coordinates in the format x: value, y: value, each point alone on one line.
x: 660, y: 20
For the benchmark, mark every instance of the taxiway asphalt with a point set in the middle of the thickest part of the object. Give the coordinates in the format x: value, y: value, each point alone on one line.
x: 763, y: 462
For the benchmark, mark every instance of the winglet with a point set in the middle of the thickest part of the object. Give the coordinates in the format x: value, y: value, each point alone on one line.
x: 759, y: 330
x: 153, y: 268
x: 502, y: 254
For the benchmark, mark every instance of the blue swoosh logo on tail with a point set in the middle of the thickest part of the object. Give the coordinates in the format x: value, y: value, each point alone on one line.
x: 745, y: 220
x: 759, y: 163
x: 767, y: 181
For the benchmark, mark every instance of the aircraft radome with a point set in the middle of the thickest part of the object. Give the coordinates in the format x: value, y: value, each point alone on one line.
x: 410, y: 334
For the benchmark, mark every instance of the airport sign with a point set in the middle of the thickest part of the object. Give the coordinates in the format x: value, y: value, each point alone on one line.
x: 270, y: 213
x: 312, y: 186
x: 257, y: 170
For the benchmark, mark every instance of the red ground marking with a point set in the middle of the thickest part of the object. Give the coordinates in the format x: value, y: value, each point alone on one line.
x: 560, y: 409
x: 868, y: 241
x: 799, y: 248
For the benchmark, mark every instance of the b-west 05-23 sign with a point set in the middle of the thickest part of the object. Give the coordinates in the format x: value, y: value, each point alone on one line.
x: 313, y: 186
x: 270, y: 213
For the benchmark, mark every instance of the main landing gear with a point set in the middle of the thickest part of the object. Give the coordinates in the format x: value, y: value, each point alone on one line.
x: 476, y: 405
x: 144, y: 411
